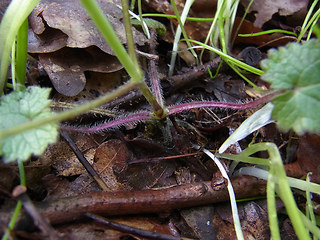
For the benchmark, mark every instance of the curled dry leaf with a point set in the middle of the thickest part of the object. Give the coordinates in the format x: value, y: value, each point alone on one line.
x: 71, y: 18
x: 64, y: 36
x: 66, y: 67
x: 265, y: 9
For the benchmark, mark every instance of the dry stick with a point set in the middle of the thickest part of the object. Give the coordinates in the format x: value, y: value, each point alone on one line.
x: 187, y: 78
x: 19, y: 192
x: 143, y: 201
x: 84, y: 161
x: 132, y: 230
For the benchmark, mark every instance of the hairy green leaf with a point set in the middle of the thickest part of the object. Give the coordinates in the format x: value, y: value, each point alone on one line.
x: 295, y: 69
x: 20, y: 107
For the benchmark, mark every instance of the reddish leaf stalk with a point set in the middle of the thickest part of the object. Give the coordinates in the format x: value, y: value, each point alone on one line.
x: 118, y: 122
x: 153, y: 70
x: 211, y: 104
x: 172, y: 110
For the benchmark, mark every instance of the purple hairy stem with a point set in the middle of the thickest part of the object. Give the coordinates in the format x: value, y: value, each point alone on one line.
x: 172, y: 110
x: 153, y: 74
x: 212, y: 104
x: 118, y: 122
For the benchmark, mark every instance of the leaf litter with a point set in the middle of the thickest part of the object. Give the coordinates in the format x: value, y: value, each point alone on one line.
x: 136, y: 156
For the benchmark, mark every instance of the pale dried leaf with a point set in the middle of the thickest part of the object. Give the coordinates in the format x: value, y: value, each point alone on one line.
x: 66, y: 67
x: 71, y: 18
x: 265, y: 9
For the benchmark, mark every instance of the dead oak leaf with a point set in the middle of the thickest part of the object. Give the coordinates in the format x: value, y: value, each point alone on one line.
x: 265, y: 9
x: 66, y: 67
x: 68, y: 43
x: 111, y: 158
x: 72, y: 19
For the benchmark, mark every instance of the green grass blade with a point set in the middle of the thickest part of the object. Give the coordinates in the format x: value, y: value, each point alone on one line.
x: 15, y: 15
x: 226, y: 57
x: 268, y: 32
x: 21, y: 57
x: 112, y: 39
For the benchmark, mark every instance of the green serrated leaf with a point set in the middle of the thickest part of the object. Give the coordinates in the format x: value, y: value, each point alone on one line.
x: 296, y: 69
x: 20, y: 107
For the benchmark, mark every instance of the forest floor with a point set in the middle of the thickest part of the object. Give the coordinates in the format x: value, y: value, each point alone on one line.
x: 151, y: 175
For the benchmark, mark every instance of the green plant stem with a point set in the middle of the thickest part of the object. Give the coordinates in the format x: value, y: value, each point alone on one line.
x: 15, y: 15
x: 277, y: 171
x: 13, y: 65
x: 263, y: 174
x: 70, y: 113
x: 240, y: 157
x: 196, y: 19
x: 314, y: 18
x: 285, y: 191
x: 144, y: 28
x: 309, y: 207
x: 112, y: 39
x: 129, y: 34
x: 267, y: 32
x: 272, y: 209
x: 180, y: 28
x: 234, y: 68
x: 181, y: 23
x: 306, y: 19
x: 221, y: 35
x: 158, y: 110
x: 311, y: 226
x: 226, y: 57
x: 17, y: 210
x: 241, y: 22
x: 21, y: 57
x: 13, y: 220
x: 22, y: 173
x: 133, y: 2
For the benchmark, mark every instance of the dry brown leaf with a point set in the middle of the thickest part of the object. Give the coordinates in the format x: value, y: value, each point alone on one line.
x: 265, y: 9
x: 49, y: 41
x: 62, y: 158
x: 66, y: 67
x: 71, y: 18
x: 111, y: 157
x: 307, y: 158
x: 66, y: 34
x: 199, y: 219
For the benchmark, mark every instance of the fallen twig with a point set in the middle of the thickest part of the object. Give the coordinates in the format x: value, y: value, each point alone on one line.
x: 142, y: 201
x: 132, y: 230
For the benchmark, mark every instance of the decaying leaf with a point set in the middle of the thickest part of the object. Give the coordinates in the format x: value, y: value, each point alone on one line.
x: 68, y: 43
x: 199, y: 219
x: 111, y: 157
x: 71, y: 18
x: 307, y: 158
x: 66, y: 67
x: 62, y: 158
x: 265, y: 9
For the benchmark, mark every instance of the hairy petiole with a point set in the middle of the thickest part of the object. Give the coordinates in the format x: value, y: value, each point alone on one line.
x: 143, y: 116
